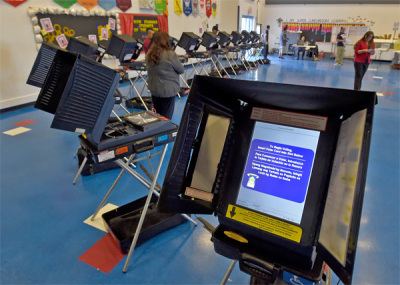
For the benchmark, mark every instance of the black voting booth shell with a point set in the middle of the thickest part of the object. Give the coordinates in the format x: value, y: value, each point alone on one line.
x: 234, y: 100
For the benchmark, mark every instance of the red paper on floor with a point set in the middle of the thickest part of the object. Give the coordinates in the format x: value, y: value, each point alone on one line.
x: 24, y: 123
x: 104, y: 255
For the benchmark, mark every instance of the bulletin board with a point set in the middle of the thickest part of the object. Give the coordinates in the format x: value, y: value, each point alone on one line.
x: 58, y: 29
x: 326, y: 32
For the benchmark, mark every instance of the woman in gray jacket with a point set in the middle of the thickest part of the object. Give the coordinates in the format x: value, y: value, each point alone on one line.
x: 163, y: 69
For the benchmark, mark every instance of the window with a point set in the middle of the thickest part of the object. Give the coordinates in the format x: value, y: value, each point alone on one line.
x: 248, y: 23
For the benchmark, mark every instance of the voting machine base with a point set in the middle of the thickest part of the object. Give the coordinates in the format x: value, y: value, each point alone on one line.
x: 90, y: 166
x: 122, y: 222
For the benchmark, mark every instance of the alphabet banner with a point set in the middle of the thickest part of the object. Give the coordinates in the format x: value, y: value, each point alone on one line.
x: 88, y: 4
x: 107, y: 4
x: 66, y: 3
x: 15, y: 3
x: 214, y: 8
x: 124, y: 4
x: 160, y: 6
x: 208, y: 8
x: 178, y: 7
x: 202, y: 8
x: 187, y: 7
x: 195, y: 7
x: 146, y: 4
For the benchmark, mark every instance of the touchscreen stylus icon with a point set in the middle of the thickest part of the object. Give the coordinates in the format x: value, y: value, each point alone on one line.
x: 252, y: 180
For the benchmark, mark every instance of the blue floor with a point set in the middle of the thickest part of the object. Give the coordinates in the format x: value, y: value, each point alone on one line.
x: 42, y: 213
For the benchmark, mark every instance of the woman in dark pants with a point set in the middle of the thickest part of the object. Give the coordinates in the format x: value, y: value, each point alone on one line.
x: 163, y: 69
x: 363, y: 50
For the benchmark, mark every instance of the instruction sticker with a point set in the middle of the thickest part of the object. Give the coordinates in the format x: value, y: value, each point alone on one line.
x: 264, y: 223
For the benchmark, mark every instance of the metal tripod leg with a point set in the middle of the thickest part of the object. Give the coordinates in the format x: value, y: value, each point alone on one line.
x: 146, y: 205
x: 202, y: 67
x: 147, y: 183
x: 228, y: 272
x: 80, y: 170
x: 222, y: 66
x: 112, y: 188
x: 233, y: 70
x: 216, y: 67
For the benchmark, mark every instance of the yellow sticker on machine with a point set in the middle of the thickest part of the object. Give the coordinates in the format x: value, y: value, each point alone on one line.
x: 264, y: 223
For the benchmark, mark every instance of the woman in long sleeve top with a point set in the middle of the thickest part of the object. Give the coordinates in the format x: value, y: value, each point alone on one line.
x: 363, y: 50
x: 163, y: 69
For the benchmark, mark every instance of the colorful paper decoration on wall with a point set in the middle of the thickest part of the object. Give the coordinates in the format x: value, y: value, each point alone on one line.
x: 178, y: 7
x: 208, y: 8
x: 202, y: 8
x: 65, y: 3
x: 165, y: 13
x: 195, y: 8
x: 187, y: 7
x: 214, y: 8
x: 159, y: 6
x: 88, y: 4
x: 146, y: 4
x: 15, y: 3
x: 124, y: 4
x: 107, y: 4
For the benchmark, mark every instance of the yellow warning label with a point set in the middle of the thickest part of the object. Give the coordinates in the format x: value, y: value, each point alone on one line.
x: 264, y: 223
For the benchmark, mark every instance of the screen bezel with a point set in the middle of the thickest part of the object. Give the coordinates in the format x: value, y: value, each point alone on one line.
x: 311, y: 217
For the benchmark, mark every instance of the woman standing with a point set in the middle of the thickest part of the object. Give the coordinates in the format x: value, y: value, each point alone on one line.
x: 163, y: 69
x: 363, y: 50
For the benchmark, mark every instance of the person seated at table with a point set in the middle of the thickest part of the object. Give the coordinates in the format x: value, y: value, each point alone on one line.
x: 301, y: 48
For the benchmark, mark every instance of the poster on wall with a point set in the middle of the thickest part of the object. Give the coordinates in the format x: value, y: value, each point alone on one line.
x: 124, y: 4
x: 187, y: 7
x: 208, y: 8
x: 15, y: 3
x: 88, y: 4
x: 214, y: 8
x: 202, y: 8
x: 65, y: 3
x: 107, y: 4
x: 178, y: 7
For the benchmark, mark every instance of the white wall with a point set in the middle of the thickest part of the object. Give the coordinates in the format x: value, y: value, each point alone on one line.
x: 18, y: 47
x: 383, y: 15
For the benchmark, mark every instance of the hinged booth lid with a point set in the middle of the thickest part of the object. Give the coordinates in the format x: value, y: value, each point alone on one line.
x: 79, y: 92
x: 265, y: 158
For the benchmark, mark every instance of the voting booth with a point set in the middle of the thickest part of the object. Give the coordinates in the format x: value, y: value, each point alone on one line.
x: 282, y: 166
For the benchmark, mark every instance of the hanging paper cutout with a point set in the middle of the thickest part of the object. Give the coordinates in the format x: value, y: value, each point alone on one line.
x: 15, y: 3
x: 202, y: 8
x: 65, y: 3
x: 107, y: 4
x: 159, y: 6
x: 165, y: 13
x: 208, y: 8
x: 214, y: 8
x: 88, y: 4
x: 178, y: 7
x: 187, y: 7
x: 124, y: 4
x: 195, y: 7
x: 146, y: 4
